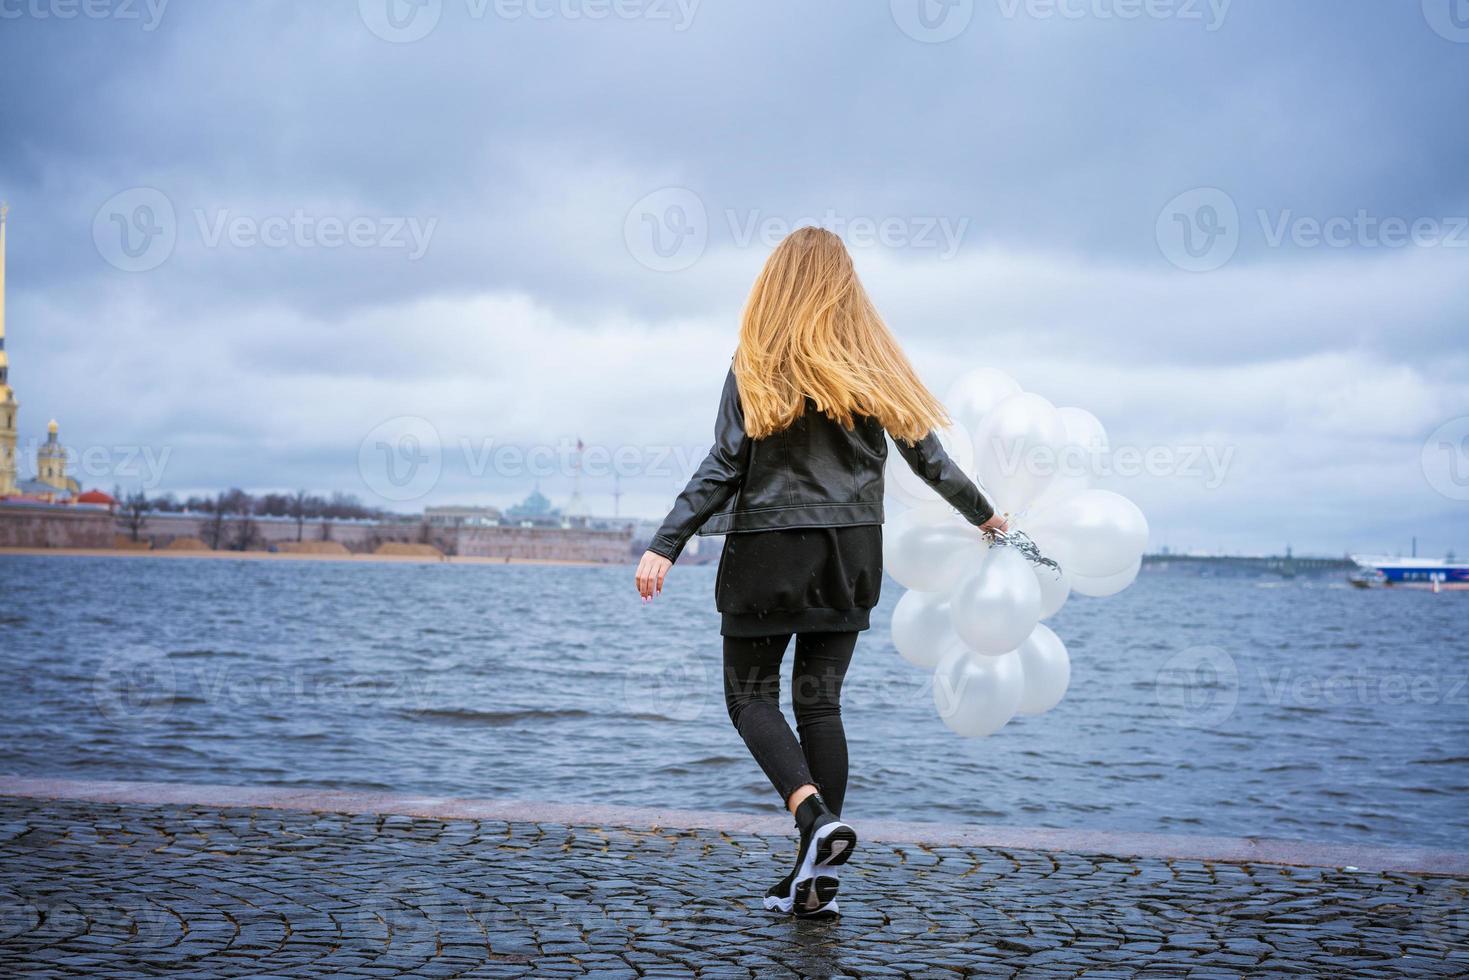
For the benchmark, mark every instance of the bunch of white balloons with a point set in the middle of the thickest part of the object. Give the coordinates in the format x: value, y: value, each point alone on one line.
x: 973, y: 613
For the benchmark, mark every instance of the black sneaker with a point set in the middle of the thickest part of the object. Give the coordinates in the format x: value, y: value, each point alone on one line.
x: 826, y: 844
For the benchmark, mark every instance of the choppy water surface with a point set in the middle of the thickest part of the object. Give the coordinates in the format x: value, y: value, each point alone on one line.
x: 1220, y: 706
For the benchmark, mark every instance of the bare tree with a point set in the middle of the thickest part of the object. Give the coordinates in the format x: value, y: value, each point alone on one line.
x: 298, y: 511
x: 246, y: 530
x: 214, y: 530
x: 133, y: 513
x: 236, y: 501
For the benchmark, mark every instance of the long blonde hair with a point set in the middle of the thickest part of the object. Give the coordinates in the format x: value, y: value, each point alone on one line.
x: 810, y: 331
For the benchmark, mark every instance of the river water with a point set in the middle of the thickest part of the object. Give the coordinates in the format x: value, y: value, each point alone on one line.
x: 1229, y: 706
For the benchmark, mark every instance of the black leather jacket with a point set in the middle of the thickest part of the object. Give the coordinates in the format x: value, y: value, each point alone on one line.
x: 813, y: 474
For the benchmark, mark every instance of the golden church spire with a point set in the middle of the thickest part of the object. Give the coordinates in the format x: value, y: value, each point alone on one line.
x: 8, y: 406
x: 4, y: 364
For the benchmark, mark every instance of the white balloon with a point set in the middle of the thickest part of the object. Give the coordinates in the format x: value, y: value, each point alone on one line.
x: 1055, y: 589
x: 1047, y: 670
x: 908, y: 486
x: 1083, y: 429
x: 975, y: 696
x: 1101, y: 586
x: 998, y: 604
x: 921, y: 629
x: 930, y: 557
x: 1079, y: 459
x: 974, y: 393
x: 1092, y: 534
x: 1016, y: 450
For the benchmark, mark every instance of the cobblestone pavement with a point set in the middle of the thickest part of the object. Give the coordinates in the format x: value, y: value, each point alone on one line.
x: 117, y: 890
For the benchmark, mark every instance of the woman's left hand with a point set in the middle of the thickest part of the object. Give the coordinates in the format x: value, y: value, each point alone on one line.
x: 652, y: 570
x: 995, y: 525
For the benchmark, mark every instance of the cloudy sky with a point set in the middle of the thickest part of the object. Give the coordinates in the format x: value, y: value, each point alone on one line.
x: 252, y: 244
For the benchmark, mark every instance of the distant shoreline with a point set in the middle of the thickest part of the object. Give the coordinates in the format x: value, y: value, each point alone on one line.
x: 300, y: 557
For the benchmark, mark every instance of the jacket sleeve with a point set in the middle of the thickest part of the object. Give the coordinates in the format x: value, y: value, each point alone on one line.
x: 927, y: 458
x: 714, y: 482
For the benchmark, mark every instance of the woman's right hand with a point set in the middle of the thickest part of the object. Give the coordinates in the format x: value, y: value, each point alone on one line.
x: 652, y: 570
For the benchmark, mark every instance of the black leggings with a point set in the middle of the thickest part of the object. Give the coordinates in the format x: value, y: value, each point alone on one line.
x: 752, y: 694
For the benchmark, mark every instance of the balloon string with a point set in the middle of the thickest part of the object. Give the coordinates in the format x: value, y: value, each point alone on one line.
x: 1022, y: 543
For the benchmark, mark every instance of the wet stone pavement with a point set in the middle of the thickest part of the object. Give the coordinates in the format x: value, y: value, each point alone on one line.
x: 90, y: 889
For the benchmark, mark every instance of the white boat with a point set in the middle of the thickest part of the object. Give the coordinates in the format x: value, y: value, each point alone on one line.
x: 1413, y: 573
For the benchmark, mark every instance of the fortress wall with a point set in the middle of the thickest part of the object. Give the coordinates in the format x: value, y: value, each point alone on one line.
x: 70, y: 527
x: 163, y: 528
x: 544, y: 544
x: 58, y: 527
x: 522, y: 543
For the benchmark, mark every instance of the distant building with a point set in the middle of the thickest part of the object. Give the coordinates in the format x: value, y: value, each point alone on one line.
x: 535, y: 510
x: 51, y: 464
x: 97, y: 498
x: 463, y: 516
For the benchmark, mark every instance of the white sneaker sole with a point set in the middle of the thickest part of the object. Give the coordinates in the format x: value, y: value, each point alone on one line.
x: 810, y: 898
x: 812, y: 894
